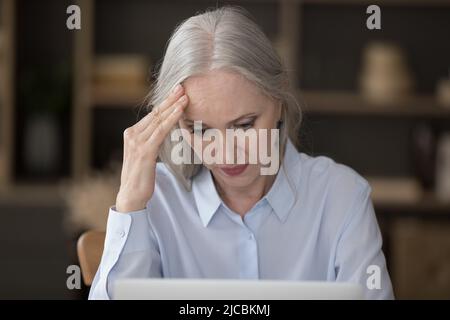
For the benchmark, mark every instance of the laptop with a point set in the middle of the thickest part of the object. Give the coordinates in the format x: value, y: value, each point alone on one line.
x: 226, y: 289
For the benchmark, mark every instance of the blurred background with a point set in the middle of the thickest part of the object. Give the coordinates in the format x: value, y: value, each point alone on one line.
x: 375, y: 100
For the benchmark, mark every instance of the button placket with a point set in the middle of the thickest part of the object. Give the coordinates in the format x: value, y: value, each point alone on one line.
x: 249, y: 255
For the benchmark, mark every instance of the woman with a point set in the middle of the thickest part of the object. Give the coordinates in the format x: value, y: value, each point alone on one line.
x: 311, y: 220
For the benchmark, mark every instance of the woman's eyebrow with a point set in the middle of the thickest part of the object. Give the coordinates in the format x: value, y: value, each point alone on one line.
x: 232, y: 121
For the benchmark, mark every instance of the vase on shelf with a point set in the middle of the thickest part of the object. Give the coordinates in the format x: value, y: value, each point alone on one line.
x: 423, y: 148
x: 385, y: 76
x: 42, y: 154
x: 443, y: 168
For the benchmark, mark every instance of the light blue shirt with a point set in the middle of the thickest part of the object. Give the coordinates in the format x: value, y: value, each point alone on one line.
x: 317, y: 222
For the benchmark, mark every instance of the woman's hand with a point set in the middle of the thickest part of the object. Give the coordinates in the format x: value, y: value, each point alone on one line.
x: 141, y: 146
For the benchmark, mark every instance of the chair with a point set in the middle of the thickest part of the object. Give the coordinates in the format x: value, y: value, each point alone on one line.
x: 89, y: 250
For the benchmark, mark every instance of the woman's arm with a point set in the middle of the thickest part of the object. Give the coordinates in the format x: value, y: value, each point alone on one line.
x: 130, y: 246
x: 359, y: 257
x: 130, y: 251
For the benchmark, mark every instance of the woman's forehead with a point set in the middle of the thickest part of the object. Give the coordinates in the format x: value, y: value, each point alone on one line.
x: 222, y: 92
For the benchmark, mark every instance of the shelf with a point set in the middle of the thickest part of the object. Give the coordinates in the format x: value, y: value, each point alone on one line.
x: 106, y: 98
x: 404, y: 195
x: 427, y: 204
x: 32, y: 194
x: 119, y: 80
x: 339, y: 103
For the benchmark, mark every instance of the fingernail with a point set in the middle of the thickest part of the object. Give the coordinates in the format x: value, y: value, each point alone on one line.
x: 177, y: 88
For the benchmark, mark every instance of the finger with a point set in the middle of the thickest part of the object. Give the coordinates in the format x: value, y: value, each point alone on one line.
x: 160, y: 133
x: 177, y: 92
x: 180, y: 103
x: 167, y: 103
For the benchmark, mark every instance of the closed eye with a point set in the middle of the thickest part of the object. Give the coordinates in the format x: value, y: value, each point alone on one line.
x: 191, y: 129
x: 245, y: 126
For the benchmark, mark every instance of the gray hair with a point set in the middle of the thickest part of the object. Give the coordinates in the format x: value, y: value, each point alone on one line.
x: 227, y: 38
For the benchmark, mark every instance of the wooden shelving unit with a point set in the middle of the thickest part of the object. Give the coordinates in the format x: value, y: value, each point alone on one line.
x: 392, y: 197
x: 11, y: 191
x: 7, y: 58
x: 85, y: 99
x: 82, y: 66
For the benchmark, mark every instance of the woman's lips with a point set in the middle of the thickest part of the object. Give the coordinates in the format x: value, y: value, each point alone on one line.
x: 234, y: 170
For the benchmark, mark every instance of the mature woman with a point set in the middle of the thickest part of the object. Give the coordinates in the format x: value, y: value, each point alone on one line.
x: 312, y: 219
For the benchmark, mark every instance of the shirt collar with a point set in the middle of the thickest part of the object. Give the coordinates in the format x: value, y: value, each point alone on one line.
x: 281, y: 195
x: 205, y: 194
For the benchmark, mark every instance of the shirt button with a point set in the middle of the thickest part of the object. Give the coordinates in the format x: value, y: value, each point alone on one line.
x: 121, y: 233
x: 250, y: 237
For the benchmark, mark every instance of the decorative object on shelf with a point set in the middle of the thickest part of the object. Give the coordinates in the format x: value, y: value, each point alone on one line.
x: 88, y: 201
x: 423, y: 152
x: 41, y: 144
x: 385, y: 76
x: 443, y: 168
x: 443, y: 92
x: 120, y: 79
x: 45, y: 96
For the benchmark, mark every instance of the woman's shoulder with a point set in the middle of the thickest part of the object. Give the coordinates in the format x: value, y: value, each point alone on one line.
x: 335, y: 190
x: 326, y: 172
x: 320, y: 170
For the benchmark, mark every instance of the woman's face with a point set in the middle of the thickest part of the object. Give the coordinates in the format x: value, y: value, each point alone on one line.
x: 226, y: 100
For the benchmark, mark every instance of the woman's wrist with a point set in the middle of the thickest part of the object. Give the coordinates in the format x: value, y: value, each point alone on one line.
x: 126, y: 206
